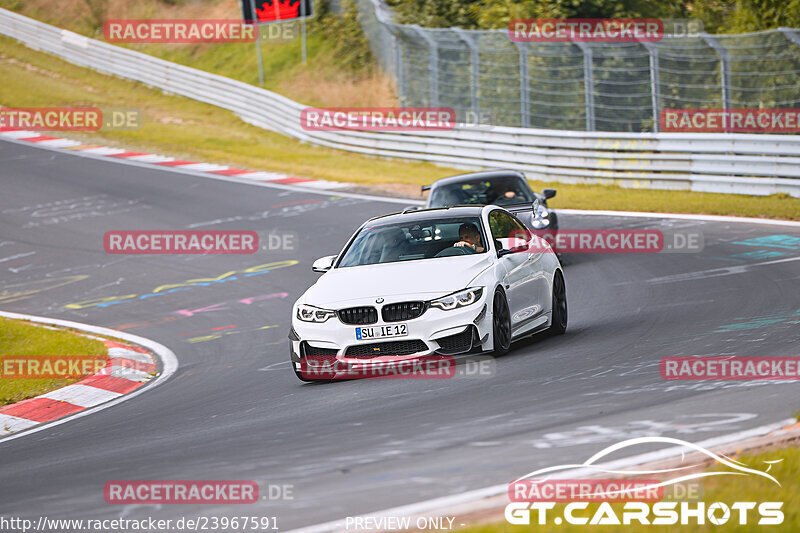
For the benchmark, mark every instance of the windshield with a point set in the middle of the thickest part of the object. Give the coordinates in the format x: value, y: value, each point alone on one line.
x: 498, y: 191
x: 418, y: 239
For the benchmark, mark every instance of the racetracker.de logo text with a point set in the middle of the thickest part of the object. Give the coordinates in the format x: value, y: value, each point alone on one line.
x: 377, y: 118
x: 180, y: 242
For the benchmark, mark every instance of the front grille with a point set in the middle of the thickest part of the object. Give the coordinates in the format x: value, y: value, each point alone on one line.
x: 460, y: 342
x: 402, y: 311
x: 358, y: 316
x: 387, y: 348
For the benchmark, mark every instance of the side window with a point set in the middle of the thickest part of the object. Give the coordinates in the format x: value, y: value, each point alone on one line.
x: 505, y: 228
x: 495, y: 224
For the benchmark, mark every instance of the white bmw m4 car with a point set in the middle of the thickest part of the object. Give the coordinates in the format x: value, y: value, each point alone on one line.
x: 448, y: 281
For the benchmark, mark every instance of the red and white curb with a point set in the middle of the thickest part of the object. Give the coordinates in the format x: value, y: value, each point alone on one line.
x: 166, y: 161
x: 128, y: 368
x: 131, y: 365
x: 290, y: 181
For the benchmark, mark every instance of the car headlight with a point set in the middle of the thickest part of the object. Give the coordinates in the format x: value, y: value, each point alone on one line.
x: 540, y: 219
x: 458, y: 299
x: 309, y: 313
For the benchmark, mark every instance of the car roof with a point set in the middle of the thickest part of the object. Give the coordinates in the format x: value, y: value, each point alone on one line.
x: 434, y: 213
x: 486, y: 175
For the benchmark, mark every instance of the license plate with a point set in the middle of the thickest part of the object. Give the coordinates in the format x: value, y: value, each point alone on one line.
x: 381, y: 332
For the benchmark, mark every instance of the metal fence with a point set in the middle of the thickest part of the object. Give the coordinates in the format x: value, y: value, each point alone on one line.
x: 582, y: 86
x: 728, y: 163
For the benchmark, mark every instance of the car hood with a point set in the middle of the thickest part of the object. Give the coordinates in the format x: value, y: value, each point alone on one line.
x: 427, y: 278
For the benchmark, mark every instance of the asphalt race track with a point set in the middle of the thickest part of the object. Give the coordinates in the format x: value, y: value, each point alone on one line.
x: 234, y: 410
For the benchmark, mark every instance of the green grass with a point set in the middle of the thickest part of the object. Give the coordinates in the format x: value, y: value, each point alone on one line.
x: 725, y: 489
x: 23, y: 338
x: 183, y: 128
x: 179, y: 126
x: 329, y: 76
x: 238, y: 60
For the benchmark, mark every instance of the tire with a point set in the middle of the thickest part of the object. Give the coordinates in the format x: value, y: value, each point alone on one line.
x: 501, y: 323
x: 558, y: 324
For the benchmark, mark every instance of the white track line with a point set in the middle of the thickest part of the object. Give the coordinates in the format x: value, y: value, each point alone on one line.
x: 169, y: 365
x: 255, y: 178
x: 20, y: 134
x: 448, y: 500
x: 709, y: 218
x: 247, y: 179
x: 439, y: 505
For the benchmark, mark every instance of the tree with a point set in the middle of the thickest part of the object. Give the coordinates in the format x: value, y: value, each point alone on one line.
x: 717, y: 15
x: 98, y: 10
x: 435, y: 13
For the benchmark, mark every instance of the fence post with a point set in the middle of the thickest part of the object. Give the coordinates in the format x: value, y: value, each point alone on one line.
x: 725, y: 69
x: 433, y: 65
x: 523, y: 84
x: 474, y: 71
x: 655, y: 85
x: 791, y: 35
x: 588, y: 84
x: 399, y: 74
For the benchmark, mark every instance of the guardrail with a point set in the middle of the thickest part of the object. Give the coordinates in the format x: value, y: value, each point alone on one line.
x: 726, y: 163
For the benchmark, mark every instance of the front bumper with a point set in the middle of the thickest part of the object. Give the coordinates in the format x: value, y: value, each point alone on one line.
x: 453, y: 332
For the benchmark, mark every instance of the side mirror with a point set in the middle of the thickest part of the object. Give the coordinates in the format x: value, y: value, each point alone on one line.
x: 323, y: 264
x: 515, y: 250
x: 548, y: 193
x: 411, y: 208
x: 518, y: 245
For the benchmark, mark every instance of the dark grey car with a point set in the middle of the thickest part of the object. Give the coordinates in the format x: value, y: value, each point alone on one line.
x: 506, y: 188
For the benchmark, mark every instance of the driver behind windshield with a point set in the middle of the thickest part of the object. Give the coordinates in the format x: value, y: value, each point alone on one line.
x: 469, y: 237
x: 504, y: 192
